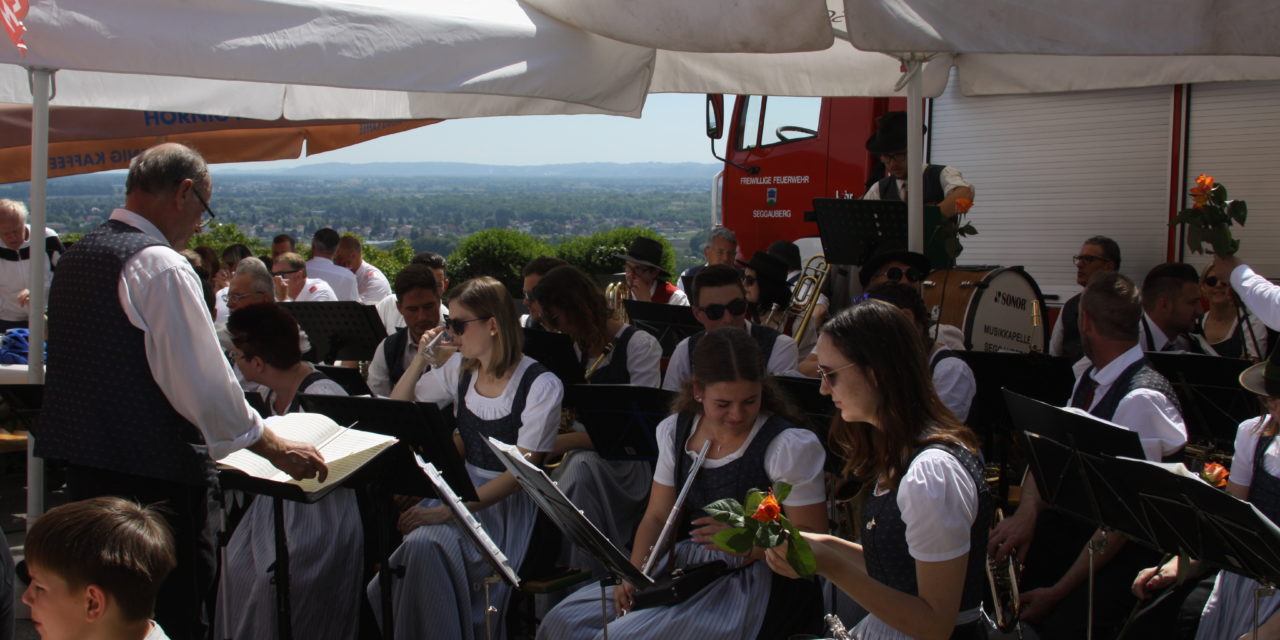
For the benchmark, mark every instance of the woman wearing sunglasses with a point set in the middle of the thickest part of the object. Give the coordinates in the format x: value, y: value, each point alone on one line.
x: 495, y: 392
x: 611, y: 494
x: 734, y: 406
x: 1228, y: 329
x: 920, y: 570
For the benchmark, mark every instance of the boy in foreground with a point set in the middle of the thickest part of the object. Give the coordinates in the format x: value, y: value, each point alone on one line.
x: 95, y: 567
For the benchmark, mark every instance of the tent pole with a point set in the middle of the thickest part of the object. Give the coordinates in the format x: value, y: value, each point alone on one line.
x: 41, y: 79
x: 915, y: 155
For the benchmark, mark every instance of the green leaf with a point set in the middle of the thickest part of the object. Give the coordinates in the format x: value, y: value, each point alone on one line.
x: 754, y: 498
x: 1223, y: 243
x: 781, y: 490
x: 1218, y: 194
x: 968, y: 230
x: 1195, y: 238
x: 734, y: 540
x: 799, y: 553
x: 769, y: 535
x: 1238, y: 211
x: 725, y: 511
x: 952, y: 247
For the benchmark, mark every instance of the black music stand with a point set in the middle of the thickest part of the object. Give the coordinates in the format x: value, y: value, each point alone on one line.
x: 258, y: 403
x: 555, y: 352
x: 621, y: 418
x: 853, y: 230
x: 339, y: 330
x: 348, y: 377
x: 1213, y: 402
x: 669, y: 323
x: 474, y: 531
x: 818, y: 408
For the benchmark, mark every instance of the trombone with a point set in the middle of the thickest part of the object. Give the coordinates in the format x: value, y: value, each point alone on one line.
x: 808, y: 289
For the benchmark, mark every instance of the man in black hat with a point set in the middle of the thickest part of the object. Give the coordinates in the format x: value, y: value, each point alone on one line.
x: 943, y: 185
x: 643, y: 268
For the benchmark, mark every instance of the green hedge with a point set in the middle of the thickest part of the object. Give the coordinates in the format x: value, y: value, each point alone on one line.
x: 499, y: 253
x: 594, y: 254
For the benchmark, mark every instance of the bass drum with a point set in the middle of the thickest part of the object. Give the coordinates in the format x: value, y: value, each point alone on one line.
x: 998, y: 308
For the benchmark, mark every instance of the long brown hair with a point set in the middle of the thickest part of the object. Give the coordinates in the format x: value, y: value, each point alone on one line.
x: 578, y: 305
x: 729, y: 354
x: 877, y: 337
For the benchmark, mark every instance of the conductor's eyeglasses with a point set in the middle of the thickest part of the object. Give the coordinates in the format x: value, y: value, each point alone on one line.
x: 895, y: 274
x: 459, y: 327
x: 716, y: 311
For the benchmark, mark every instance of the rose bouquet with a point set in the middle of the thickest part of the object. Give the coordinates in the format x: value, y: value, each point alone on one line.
x: 758, y: 522
x: 1215, y: 474
x: 1210, y: 216
x: 949, y: 232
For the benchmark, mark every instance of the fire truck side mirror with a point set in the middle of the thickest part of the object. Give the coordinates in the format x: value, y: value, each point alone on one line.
x: 715, y: 115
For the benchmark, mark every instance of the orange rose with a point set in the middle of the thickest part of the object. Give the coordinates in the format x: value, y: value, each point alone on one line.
x: 1205, y: 182
x: 1200, y: 192
x: 963, y: 205
x: 769, y: 510
x: 1215, y: 474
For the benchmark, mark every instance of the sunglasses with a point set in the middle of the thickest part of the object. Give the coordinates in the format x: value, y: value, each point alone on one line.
x: 895, y: 274
x: 1213, y: 281
x: 716, y: 311
x: 459, y: 327
x: 829, y: 375
x: 285, y: 273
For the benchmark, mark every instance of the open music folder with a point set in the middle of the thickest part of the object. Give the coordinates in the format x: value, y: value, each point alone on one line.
x: 345, y: 451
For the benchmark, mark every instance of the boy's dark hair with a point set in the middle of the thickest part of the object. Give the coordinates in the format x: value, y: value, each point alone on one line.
x: 1166, y: 281
x: 267, y: 331
x: 429, y: 259
x: 116, y: 544
x: 1110, y: 249
x: 540, y: 265
x: 716, y: 275
x: 1112, y: 302
x: 415, y: 276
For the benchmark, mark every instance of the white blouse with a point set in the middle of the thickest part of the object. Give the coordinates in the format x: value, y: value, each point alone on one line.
x: 795, y: 457
x: 540, y: 419
x: 1247, y: 438
x: 939, y: 502
x: 644, y: 356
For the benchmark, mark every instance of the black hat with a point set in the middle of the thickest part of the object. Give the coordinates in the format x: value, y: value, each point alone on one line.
x: 787, y: 252
x: 1263, y: 378
x: 645, y: 251
x: 914, y: 260
x: 891, y: 133
x: 771, y: 276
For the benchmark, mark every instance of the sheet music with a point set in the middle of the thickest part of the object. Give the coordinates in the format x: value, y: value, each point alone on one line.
x: 344, y: 450
x: 467, y: 521
x: 670, y: 524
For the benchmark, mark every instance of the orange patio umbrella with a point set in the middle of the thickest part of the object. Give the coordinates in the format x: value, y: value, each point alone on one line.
x: 86, y: 140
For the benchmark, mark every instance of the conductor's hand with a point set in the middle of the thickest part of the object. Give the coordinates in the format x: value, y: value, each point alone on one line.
x: 622, y: 597
x: 298, y: 459
x: 1013, y: 534
x: 1153, y: 579
x: 415, y: 517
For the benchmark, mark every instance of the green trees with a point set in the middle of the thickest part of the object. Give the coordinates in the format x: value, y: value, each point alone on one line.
x: 499, y: 253
x: 595, y: 254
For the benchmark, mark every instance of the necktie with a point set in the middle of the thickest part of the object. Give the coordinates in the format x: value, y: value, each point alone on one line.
x: 1083, y: 397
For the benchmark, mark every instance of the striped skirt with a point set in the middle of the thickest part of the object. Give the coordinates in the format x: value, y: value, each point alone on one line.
x: 326, y: 558
x: 1229, y: 611
x: 731, y: 608
x: 441, y: 593
x: 611, y: 494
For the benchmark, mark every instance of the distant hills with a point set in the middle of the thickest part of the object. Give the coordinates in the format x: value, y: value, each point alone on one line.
x: 586, y: 170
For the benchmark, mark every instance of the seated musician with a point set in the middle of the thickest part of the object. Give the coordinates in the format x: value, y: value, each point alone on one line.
x: 533, y: 273
x: 919, y: 570
x: 1255, y: 476
x: 391, y: 319
x: 721, y: 248
x: 1170, y: 308
x: 292, y: 283
x: 1098, y: 253
x: 732, y: 404
x: 719, y: 300
x: 764, y: 279
x: 643, y: 262
x: 1121, y: 387
x: 1259, y: 295
x: 418, y: 302
x: 1229, y: 329
x: 611, y: 494
x: 496, y: 392
x: 325, y: 539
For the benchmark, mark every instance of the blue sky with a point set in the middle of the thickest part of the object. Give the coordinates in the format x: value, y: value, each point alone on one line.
x: 672, y: 129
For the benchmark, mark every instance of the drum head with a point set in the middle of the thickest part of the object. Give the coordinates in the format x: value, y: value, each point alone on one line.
x: 1007, y: 315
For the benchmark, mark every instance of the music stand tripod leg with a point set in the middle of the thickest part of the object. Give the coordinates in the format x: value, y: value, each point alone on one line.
x: 609, y: 580
x: 489, y: 609
x: 1094, y: 547
x: 284, y: 615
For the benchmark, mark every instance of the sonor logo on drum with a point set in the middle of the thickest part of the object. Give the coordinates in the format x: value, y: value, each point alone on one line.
x: 1010, y: 300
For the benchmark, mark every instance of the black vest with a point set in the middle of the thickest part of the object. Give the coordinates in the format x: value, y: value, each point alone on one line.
x: 884, y: 536
x: 296, y: 405
x: 764, y: 337
x: 52, y: 246
x: 103, y: 408
x: 616, y: 372
x: 393, y: 354
x: 732, y: 480
x: 1264, y: 491
x: 1072, y: 349
x: 931, y: 180
x: 686, y: 278
x: 1138, y: 375
x: 940, y: 355
x: 475, y: 431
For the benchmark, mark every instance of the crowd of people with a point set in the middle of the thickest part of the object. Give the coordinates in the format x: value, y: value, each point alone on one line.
x: 185, y: 336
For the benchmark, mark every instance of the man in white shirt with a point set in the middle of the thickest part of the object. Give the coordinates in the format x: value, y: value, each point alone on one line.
x: 15, y: 263
x: 391, y: 318
x: 418, y: 301
x: 125, y: 302
x: 282, y: 243
x: 1098, y: 253
x: 370, y: 281
x: 293, y: 285
x: 1259, y: 294
x: 722, y: 248
x: 1120, y: 387
x: 720, y: 301
x: 1170, y: 308
x: 323, y: 245
x: 942, y: 185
